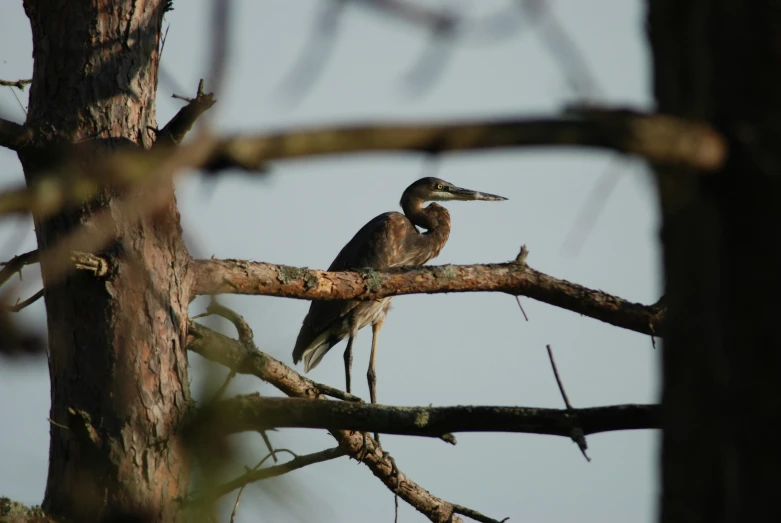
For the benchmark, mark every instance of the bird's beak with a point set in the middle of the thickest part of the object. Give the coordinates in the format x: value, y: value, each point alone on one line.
x: 468, y: 194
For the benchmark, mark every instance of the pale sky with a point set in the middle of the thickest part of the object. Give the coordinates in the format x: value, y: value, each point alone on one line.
x: 454, y: 349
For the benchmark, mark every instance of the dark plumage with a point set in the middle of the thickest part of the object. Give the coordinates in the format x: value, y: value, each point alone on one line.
x: 389, y: 240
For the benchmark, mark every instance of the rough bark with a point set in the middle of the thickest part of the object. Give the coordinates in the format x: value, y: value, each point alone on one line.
x: 258, y: 278
x: 718, y: 60
x: 117, y: 360
x: 254, y: 413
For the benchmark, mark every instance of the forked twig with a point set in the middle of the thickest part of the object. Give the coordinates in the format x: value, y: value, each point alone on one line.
x: 577, y: 434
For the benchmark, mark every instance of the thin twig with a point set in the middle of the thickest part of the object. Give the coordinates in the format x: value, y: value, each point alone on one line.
x: 477, y: 516
x: 270, y: 448
x: 558, y: 378
x: 523, y: 254
x: 236, y: 505
x: 16, y: 264
x: 577, y: 435
x: 219, y: 48
x: 517, y: 299
x: 591, y: 209
x: 60, y: 425
x: 29, y: 301
x: 252, y: 476
x: 435, y: 57
x: 273, y: 453
x: 314, y: 57
x: 19, y: 84
x: 218, y: 394
x: 162, y: 42
x: 562, y: 48
x: 19, y: 102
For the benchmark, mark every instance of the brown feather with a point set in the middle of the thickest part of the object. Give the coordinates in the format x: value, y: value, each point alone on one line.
x: 389, y: 240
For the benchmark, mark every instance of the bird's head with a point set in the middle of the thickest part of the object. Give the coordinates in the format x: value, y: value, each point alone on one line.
x: 432, y: 189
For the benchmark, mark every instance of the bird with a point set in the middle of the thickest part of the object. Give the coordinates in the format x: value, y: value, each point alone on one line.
x: 392, y: 239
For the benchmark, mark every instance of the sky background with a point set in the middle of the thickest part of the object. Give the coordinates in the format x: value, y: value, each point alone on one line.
x: 444, y: 349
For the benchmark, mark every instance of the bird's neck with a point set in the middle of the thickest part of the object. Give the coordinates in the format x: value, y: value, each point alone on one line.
x: 434, y: 218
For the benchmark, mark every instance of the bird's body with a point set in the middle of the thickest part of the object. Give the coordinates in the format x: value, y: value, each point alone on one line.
x: 390, y: 240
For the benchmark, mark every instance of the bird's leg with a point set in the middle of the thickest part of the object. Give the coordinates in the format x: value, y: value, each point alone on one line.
x: 348, y: 361
x: 371, y: 375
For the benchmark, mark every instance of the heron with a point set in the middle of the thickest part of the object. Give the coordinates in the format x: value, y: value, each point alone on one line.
x: 390, y: 240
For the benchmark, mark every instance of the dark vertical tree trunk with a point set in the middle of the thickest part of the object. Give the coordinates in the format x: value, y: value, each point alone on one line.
x: 720, y: 60
x: 117, y: 358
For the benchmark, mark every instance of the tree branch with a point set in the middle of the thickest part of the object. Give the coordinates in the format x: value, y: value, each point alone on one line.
x: 29, y: 301
x: 664, y: 140
x: 174, y: 131
x: 13, y: 135
x: 238, y: 356
x: 16, y: 264
x: 473, y: 514
x: 254, y: 412
x: 19, y: 84
x: 219, y: 348
x: 257, y: 278
x: 414, y: 12
x: 660, y: 139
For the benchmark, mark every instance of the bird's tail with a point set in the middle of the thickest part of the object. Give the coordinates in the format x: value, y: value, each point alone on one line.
x: 313, y: 351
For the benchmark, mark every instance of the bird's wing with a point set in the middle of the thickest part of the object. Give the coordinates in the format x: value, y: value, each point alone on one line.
x: 376, y: 245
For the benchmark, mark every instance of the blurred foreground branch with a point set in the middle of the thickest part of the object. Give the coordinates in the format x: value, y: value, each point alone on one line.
x: 16, y: 264
x: 13, y: 135
x: 414, y: 12
x: 257, y: 278
x: 264, y: 473
x: 14, y: 512
x: 663, y: 140
x: 660, y: 139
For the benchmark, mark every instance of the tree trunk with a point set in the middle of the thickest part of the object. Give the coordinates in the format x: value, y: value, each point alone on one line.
x: 117, y: 359
x: 720, y: 60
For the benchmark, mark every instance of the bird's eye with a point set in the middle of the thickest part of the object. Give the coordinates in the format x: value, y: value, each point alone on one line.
x: 440, y: 186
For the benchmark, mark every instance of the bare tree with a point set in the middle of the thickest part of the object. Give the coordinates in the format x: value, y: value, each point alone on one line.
x: 118, y: 279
